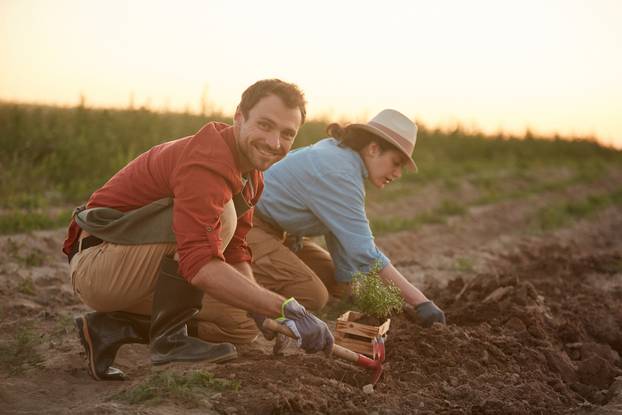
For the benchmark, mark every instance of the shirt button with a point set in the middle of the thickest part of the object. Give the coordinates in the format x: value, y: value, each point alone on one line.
x: 209, y: 229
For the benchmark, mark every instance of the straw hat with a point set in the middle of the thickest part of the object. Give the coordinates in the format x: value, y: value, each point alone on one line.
x: 397, y: 129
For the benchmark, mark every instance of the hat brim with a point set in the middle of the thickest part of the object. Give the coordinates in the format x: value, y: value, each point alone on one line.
x: 410, y: 164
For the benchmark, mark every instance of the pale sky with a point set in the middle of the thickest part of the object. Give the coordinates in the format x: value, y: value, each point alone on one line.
x: 549, y: 65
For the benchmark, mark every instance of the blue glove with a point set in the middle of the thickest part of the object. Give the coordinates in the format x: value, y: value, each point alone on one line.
x: 313, y: 334
x: 426, y: 314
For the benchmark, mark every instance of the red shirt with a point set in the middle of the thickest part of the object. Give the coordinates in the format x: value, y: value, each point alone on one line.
x: 201, y: 173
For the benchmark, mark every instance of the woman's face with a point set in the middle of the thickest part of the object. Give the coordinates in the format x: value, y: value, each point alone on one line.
x: 382, y: 166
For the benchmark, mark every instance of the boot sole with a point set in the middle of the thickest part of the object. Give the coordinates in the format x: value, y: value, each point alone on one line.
x: 219, y: 359
x: 87, y: 344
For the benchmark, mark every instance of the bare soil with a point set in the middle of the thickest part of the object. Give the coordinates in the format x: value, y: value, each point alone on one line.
x: 535, y: 327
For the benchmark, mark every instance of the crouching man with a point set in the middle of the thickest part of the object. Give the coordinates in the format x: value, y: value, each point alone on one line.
x: 163, y: 242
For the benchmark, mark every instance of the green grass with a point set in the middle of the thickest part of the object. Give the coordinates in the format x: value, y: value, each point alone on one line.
x: 61, y: 155
x: 64, y: 325
x: 438, y: 215
x: 463, y: 264
x: 495, y: 187
x: 19, y: 353
x: 30, y: 257
x: 563, y: 214
x: 188, y: 389
x: 19, y: 221
x: 497, y: 190
x: 614, y: 266
x: 26, y: 286
x: 450, y: 208
x: 57, y: 156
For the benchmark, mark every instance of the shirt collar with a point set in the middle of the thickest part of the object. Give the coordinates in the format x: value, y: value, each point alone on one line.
x: 356, y: 156
x: 229, y: 137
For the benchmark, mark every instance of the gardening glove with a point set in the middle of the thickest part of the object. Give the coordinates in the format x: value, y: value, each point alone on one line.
x: 313, y: 334
x: 426, y: 314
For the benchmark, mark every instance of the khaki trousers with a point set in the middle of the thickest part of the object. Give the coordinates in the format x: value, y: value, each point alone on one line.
x: 308, y: 275
x: 112, y: 277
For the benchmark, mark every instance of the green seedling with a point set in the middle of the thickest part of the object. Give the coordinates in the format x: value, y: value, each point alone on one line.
x: 373, y: 296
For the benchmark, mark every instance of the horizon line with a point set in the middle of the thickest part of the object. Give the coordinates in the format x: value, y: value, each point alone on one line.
x: 214, y: 112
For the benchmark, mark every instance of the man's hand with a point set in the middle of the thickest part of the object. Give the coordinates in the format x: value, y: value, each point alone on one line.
x: 259, y: 319
x: 313, y: 333
x: 426, y: 314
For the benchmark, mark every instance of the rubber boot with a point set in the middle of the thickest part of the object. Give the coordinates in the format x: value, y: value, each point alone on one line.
x: 175, y: 302
x: 102, y: 334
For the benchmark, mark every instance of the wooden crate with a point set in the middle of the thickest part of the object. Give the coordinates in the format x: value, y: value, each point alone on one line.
x: 356, y: 336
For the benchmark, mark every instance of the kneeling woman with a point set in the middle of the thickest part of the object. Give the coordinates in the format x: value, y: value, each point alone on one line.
x: 319, y: 190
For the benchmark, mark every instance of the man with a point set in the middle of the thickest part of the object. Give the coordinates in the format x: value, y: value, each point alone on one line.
x: 163, y: 241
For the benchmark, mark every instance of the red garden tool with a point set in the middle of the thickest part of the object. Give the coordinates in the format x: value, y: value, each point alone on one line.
x: 374, y: 364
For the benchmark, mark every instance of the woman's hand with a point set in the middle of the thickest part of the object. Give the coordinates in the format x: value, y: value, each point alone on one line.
x: 426, y: 313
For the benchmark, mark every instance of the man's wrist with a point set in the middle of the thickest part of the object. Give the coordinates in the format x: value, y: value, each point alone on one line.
x: 287, y: 301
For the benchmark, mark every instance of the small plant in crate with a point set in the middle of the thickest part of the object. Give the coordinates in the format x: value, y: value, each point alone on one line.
x: 376, y: 301
x: 373, y: 297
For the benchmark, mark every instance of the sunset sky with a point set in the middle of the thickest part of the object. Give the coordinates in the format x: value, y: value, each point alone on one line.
x: 551, y: 66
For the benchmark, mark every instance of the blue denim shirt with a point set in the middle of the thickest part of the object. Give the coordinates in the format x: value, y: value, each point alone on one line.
x: 319, y: 190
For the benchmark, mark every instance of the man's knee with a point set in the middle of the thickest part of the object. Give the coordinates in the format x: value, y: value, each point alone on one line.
x: 235, y: 330
x: 315, y: 297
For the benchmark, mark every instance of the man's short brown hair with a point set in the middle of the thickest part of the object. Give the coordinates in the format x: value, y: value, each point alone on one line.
x: 291, y: 95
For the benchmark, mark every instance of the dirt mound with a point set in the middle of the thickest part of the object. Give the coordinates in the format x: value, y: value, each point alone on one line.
x: 538, y: 329
x: 539, y: 338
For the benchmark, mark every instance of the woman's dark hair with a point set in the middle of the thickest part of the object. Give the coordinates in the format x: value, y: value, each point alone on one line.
x: 357, y: 138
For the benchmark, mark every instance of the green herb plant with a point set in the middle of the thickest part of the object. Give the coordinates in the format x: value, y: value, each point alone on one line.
x: 374, y: 297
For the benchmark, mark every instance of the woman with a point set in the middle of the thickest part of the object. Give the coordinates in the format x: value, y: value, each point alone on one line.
x: 319, y: 190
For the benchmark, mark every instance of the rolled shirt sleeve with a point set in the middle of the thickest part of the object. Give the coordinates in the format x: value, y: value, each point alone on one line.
x: 200, y: 196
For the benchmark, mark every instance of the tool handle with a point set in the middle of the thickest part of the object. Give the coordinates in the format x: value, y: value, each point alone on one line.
x: 338, y: 350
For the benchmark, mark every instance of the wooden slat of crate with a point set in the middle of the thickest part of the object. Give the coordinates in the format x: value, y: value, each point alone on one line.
x: 355, y: 345
x: 355, y: 336
x: 347, y: 324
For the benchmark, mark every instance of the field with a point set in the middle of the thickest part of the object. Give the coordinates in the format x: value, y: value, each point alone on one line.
x: 518, y: 240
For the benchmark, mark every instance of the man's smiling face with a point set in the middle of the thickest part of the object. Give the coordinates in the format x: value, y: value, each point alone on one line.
x: 267, y: 133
